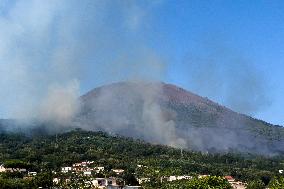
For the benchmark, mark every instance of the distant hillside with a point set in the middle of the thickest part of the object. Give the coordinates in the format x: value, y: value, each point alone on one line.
x: 166, y: 114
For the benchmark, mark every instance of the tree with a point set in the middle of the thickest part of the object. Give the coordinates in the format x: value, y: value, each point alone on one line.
x: 130, y: 179
x: 256, y: 184
x: 44, y: 180
x: 277, y: 183
x: 211, y: 182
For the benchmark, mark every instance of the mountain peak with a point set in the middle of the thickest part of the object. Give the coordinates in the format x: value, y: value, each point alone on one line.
x: 164, y: 113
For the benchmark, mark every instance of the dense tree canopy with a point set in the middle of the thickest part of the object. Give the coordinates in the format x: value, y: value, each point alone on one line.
x: 48, y: 153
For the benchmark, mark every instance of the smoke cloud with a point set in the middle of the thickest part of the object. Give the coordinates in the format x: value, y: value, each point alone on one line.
x: 45, y: 46
x: 30, y: 64
x: 50, y: 50
x: 163, y: 130
x: 60, y: 105
x: 140, y: 116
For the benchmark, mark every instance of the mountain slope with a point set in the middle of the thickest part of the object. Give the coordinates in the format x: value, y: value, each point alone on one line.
x: 166, y: 114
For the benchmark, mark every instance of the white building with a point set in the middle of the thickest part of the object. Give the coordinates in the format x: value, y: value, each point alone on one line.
x: 56, y: 180
x: 99, y: 169
x: 32, y: 173
x: 66, y: 169
x: 184, y: 177
x: 2, y: 168
x: 87, y: 173
x: 173, y: 178
x: 118, y: 171
x: 142, y: 180
x: 105, y: 182
x: 16, y: 170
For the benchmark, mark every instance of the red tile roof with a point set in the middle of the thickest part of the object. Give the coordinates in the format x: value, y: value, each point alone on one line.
x: 229, y: 177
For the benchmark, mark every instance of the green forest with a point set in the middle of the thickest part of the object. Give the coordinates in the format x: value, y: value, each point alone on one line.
x: 46, y: 154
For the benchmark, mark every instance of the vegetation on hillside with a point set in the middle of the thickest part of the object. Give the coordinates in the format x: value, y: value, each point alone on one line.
x: 44, y: 154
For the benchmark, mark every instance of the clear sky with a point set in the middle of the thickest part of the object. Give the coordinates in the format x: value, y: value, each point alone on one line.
x: 229, y: 51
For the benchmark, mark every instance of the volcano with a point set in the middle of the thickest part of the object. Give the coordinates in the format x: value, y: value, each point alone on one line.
x: 166, y: 114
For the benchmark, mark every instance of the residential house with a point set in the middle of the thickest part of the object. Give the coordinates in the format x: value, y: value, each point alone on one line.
x: 173, y: 178
x: 8, y: 169
x: 99, y: 169
x: 118, y: 171
x: 104, y: 182
x: 142, y: 180
x: 235, y: 184
x: 202, y: 176
x: 32, y: 173
x: 56, y: 180
x: 2, y: 168
x: 66, y: 169
x: 87, y: 173
x: 16, y: 170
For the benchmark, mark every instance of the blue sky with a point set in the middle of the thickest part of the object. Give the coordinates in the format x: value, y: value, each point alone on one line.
x: 229, y: 51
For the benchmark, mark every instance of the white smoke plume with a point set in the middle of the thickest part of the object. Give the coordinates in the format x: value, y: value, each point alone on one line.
x: 49, y: 50
x: 60, y: 105
x: 162, y: 129
x: 47, y: 45
x: 139, y: 116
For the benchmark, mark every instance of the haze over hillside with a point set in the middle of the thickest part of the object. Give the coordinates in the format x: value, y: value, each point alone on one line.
x: 165, y: 114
